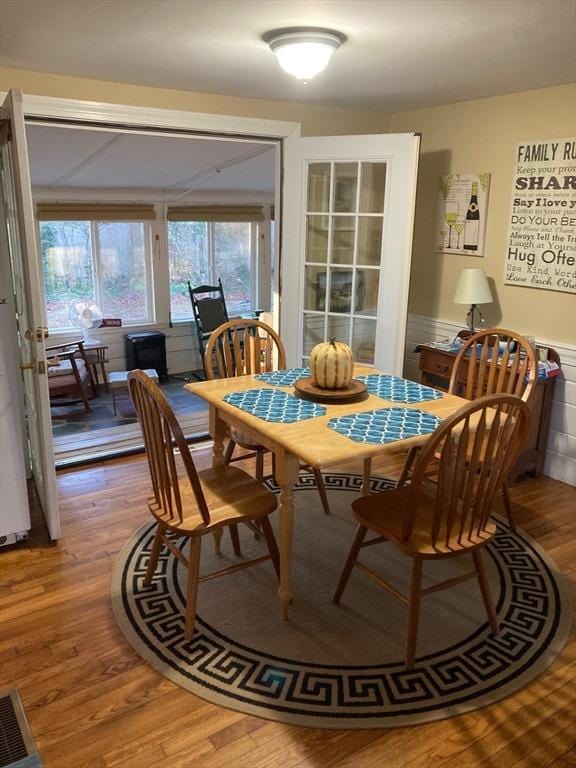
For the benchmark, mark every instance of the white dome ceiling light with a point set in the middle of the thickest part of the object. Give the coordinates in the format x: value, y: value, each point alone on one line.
x: 304, y: 51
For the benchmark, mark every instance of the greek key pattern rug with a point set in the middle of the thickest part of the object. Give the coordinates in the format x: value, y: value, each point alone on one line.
x: 342, y: 666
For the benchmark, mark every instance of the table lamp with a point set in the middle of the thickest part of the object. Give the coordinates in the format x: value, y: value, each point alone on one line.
x: 473, y: 289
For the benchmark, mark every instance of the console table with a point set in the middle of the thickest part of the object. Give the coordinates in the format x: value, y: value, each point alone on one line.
x: 436, y: 367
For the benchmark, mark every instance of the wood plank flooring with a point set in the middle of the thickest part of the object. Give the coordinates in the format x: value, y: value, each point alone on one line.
x: 93, y: 703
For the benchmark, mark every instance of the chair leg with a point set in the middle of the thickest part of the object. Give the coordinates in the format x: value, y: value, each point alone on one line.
x: 84, y: 398
x: 407, y: 466
x: 260, y: 465
x: 366, y: 475
x: 229, y: 451
x: 349, y: 564
x: 235, y: 539
x: 508, y: 505
x: 217, y: 536
x: 271, y: 542
x: 413, y: 612
x: 192, y: 586
x: 477, y: 554
x: 154, y: 554
x: 321, y: 490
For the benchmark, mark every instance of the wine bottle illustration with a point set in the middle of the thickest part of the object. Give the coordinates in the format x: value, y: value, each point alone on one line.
x: 472, y: 227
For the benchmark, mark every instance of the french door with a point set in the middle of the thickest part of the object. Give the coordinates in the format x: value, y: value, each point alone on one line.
x: 346, y: 245
x: 24, y: 268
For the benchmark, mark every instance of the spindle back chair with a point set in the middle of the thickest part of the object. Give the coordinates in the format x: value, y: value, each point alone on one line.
x: 246, y: 347
x: 197, y: 503
x: 473, y: 452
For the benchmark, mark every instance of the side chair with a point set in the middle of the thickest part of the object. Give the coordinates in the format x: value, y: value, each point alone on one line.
x: 209, y: 311
x: 194, y: 504
x: 244, y: 347
x: 493, y: 361
x: 474, y: 450
x: 69, y: 377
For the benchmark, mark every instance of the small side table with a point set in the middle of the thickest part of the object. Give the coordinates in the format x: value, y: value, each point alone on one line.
x: 96, y: 358
x: 436, y: 367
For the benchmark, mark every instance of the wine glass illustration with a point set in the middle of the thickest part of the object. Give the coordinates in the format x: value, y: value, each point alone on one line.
x: 443, y: 233
x: 459, y: 228
x: 451, y: 210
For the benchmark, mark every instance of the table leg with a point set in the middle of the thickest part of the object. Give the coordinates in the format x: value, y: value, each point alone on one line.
x: 287, y: 468
x: 217, y: 433
x: 105, y: 378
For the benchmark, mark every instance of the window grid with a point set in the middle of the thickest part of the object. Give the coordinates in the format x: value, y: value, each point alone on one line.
x: 330, y: 265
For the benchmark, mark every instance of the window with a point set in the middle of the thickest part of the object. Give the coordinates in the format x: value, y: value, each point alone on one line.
x: 107, y: 261
x: 202, y: 252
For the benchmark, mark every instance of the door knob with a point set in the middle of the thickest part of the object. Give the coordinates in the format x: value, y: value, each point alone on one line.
x: 39, y: 334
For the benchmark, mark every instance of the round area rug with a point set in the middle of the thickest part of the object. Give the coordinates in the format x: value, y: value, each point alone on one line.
x: 343, y: 666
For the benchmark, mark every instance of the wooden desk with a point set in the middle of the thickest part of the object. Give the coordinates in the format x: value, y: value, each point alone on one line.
x: 308, y: 442
x: 436, y: 368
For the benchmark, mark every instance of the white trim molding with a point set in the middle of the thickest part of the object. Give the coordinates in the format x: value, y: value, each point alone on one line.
x: 102, y: 112
x: 560, y: 462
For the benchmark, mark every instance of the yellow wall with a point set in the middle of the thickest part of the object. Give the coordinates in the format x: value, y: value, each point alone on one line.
x: 481, y: 136
x: 315, y: 120
x: 473, y: 136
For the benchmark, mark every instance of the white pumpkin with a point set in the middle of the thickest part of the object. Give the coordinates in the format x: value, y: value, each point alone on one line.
x: 331, y: 365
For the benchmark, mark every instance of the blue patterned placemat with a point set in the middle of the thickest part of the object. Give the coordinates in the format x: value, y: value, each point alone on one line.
x: 283, y: 378
x: 385, y: 425
x: 398, y: 390
x: 274, y: 405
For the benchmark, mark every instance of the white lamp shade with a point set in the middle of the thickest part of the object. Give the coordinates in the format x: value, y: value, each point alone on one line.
x: 304, y: 52
x: 473, y: 288
x: 304, y: 60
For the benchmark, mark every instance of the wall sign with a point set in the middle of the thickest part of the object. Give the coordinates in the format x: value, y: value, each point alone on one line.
x: 462, y: 207
x: 541, y: 248
x: 111, y: 322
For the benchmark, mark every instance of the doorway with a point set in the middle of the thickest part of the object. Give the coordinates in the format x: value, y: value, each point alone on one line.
x: 125, y: 218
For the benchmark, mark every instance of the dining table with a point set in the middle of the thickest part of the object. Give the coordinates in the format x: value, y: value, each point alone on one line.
x: 320, y: 434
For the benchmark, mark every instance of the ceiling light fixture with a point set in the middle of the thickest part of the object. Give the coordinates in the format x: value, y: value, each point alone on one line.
x: 304, y: 51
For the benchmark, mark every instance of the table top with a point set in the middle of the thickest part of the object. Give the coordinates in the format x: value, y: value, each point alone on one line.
x: 310, y: 439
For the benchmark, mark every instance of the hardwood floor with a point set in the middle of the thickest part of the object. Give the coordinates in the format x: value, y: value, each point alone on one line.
x: 93, y: 703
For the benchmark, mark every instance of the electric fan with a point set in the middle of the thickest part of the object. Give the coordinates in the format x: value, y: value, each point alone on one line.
x: 86, y: 315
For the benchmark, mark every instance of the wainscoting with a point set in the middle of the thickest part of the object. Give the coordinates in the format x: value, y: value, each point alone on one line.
x: 561, y: 449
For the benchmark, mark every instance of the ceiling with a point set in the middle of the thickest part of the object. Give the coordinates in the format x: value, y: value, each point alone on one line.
x: 63, y: 160
x: 400, y: 54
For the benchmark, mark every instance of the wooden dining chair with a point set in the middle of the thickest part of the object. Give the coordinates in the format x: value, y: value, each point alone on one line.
x: 198, y: 503
x: 489, y: 362
x: 243, y: 347
x: 474, y: 449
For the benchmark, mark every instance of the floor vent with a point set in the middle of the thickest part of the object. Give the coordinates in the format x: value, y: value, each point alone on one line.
x: 17, y: 748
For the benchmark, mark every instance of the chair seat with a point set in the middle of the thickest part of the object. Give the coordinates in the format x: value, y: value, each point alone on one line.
x: 385, y: 512
x: 64, y: 368
x: 232, y: 496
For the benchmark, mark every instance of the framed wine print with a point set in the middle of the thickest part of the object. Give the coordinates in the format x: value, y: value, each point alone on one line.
x: 462, y: 213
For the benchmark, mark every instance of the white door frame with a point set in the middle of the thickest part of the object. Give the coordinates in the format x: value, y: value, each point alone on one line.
x: 225, y: 127
x: 151, y: 117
